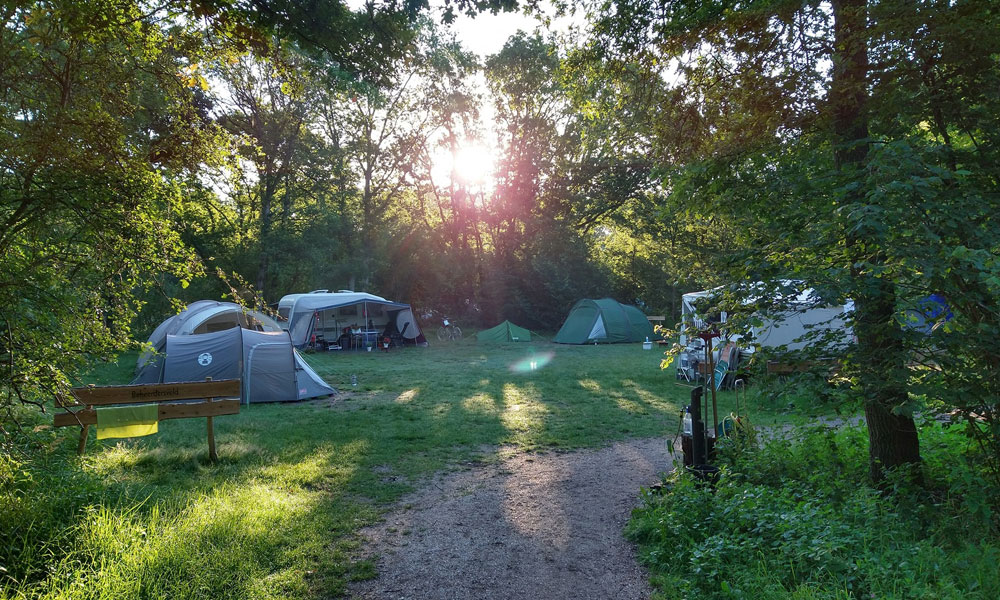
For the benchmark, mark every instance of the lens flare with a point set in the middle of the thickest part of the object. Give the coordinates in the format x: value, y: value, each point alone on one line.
x: 533, y: 362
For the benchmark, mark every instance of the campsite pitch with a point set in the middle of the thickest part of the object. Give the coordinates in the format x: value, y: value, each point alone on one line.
x: 280, y: 514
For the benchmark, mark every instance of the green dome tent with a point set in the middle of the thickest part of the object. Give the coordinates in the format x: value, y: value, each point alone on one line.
x: 504, y: 332
x: 606, y: 321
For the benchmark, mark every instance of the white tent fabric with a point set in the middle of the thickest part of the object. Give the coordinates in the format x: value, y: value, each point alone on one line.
x: 803, y: 313
x: 304, y: 310
x: 269, y: 373
x: 407, y: 325
x: 598, y: 332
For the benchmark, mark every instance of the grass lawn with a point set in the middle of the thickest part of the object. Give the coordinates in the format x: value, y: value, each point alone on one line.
x: 277, y: 516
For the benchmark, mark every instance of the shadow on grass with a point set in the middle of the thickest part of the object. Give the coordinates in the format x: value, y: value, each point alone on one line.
x: 276, y: 516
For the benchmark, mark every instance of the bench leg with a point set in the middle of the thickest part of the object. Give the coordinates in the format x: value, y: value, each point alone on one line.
x: 83, y: 439
x: 211, y: 441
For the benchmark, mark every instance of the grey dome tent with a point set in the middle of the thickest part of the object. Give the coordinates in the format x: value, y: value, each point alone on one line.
x: 604, y: 321
x: 270, y: 368
x: 205, y: 316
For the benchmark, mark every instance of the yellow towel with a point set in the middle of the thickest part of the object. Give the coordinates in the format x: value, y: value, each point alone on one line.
x: 127, y: 421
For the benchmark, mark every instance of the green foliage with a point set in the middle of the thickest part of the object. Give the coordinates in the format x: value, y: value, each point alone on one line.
x: 789, y: 520
x: 881, y: 194
x: 99, y: 134
x: 809, y: 393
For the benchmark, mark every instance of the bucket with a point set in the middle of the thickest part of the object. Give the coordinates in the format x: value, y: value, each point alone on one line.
x: 647, y: 345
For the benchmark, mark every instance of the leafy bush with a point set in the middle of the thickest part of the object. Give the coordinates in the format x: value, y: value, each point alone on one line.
x: 790, y: 520
x: 809, y: 391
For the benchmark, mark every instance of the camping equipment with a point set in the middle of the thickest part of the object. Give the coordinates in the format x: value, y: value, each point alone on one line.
x: 696, y: 446
x: 271, y: 369
x: 804, y: 314
x: 605, y: 321
x: 328, y: 314
x: 504, y: 332
x: 727, y: 360
x: 702, y: 447
x: 205, y: 316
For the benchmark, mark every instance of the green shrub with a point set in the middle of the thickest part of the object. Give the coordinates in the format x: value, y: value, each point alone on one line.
x: 790, y: 520
x: 810, y: 392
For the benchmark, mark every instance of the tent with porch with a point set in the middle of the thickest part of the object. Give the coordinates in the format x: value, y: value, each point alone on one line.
x: 205, y: 316
x: 604, y: 321
x: 504, y: 332
x: 329, y: 316
x: 189, y: 347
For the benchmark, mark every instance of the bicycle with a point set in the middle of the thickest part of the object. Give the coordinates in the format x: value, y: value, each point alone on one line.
x: 449, y: 331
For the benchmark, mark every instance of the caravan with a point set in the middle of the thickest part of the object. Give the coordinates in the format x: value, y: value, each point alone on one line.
x: 804, y: 316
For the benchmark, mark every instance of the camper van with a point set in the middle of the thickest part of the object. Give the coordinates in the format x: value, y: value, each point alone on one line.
x: 802, y: 316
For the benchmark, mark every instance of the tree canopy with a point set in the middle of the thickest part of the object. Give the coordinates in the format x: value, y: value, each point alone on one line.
x: 659, y: 147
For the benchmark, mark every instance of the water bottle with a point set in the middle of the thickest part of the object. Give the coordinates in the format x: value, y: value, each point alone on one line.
x: 354, y: 380
x: 688, y: 425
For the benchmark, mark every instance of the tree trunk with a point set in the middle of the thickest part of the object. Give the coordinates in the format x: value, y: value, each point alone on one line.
x: 882, y: 372
x: 892, y: 437
x: 266, y: 216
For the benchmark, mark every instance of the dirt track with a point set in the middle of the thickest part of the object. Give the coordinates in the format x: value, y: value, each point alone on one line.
x: 531, y: 526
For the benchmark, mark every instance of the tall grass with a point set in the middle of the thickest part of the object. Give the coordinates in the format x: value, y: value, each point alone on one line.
x: 794, y: 520
x: 278, y: 515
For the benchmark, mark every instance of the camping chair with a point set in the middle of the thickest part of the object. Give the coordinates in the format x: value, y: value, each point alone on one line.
x: 397, y: 337
x: 724, y: 367
x: 357, y: 338
x: 684, y: 369
x: 734, y: 364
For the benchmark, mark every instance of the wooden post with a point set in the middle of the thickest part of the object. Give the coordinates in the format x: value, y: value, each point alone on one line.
x: 710, y: 377
x: 212, y: 456
x: 83, y: 439
x: 84, y: 431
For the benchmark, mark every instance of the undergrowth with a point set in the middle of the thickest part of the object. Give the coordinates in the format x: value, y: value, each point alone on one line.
x: 791, y: 520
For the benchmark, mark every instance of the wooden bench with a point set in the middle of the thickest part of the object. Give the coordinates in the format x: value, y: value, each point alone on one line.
x: 176, y: 401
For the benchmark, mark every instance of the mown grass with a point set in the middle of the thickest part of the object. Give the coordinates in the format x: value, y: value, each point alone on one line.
x: 278, y: 515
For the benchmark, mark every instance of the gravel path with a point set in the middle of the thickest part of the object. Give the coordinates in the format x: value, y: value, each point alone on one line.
x: 531, y: 526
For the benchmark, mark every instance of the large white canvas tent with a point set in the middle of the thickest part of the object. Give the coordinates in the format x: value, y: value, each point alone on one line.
x: 803, y: 314
x: 325, y: 315
x: 271, y: 369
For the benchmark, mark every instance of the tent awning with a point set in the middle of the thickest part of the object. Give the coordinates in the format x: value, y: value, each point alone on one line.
x: 398, y: 305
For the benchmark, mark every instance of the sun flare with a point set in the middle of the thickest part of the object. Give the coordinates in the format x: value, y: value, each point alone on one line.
x: 470, y: 164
